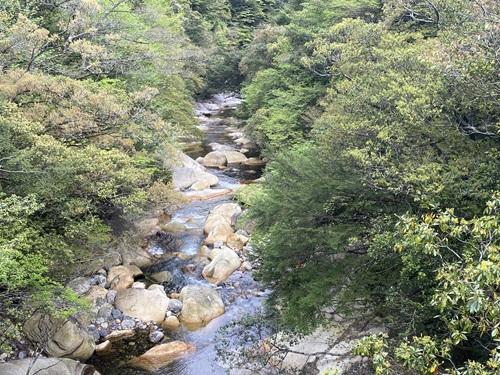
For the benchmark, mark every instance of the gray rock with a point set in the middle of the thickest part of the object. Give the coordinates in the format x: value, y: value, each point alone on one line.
x: 110, y: 298
x: 156, y: 336
x: 128, y: 323
x: 80, y: 285
x: 116, y: 314
x: 46, y: 366
x: 175, y: 306
x: 99, y: 280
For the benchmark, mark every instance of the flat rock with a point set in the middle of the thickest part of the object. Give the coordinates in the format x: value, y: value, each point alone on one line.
x: 207, y: 194
x: 161, y: 355
x: 119, y: 335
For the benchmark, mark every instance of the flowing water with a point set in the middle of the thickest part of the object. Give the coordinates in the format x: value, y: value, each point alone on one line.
x: 241, y: 293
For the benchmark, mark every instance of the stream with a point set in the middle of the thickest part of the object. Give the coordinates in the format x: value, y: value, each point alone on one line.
x: 240, y: 292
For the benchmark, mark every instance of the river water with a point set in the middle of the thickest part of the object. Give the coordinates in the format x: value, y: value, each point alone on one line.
x: 204, y: 360
x: 241, y: 293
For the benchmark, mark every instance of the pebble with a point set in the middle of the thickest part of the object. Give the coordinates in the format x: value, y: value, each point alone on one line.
x: 175, y: 306
x: 103, y: 332
x: 116, y: 314
x: 128, y: 323
x: 156, y: 336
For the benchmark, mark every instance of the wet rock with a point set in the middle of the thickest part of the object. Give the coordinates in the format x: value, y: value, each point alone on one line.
x: 161, y: 355
x: 60, y: 337
x: 174, y: 226
x: 143, y: 303
x: 162, y: 276
x: 200, y: 304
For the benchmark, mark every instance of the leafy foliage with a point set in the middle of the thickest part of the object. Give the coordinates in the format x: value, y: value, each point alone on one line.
x: 401, y: 110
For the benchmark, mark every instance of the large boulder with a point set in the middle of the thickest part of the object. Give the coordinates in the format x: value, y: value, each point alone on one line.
x: 148, y: 305
x: 46, y: 366
x: 122, y: 277
x: 234, y: 157
x: 236, y: 241
x: 161, y: 355
x: 59, y: 337
x: 220, y: 214
x: 220, y: 232
x: 200, y: 304
x: 184, y: 177
x: 224, y: 262
x: 215, y: 159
